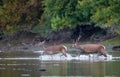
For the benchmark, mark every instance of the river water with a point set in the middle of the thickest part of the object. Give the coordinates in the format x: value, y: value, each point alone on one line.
x: 31, y: 64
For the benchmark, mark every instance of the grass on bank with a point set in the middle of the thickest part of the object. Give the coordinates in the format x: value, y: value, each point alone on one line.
x: 110, y: 42
x: 114, y: 41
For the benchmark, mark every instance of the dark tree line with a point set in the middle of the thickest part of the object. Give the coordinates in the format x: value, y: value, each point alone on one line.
x: 34, y: 15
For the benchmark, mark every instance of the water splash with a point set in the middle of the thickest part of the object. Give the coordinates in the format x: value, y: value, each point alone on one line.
x: 90, y: 57
x: 60, y: 56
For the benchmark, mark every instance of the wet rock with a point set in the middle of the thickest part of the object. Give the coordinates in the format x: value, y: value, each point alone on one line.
x: 116, y: 48
x: 42, y: 69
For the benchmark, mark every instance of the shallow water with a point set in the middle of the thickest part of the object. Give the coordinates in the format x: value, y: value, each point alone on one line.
x: 31, y: 64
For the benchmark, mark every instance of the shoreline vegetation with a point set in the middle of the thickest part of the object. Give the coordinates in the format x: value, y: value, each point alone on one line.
x: 27, y: 44
x: 24, y: 23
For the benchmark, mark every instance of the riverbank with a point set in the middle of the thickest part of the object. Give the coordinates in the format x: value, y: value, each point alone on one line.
x: 27, y: 41
x: 27, y: 44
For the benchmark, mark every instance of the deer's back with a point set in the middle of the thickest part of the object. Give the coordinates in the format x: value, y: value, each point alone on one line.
x: 92, y: 48
x: 57, y: 48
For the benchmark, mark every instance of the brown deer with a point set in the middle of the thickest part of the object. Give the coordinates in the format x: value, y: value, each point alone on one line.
x: 91, y: 48
x: 54, y: 49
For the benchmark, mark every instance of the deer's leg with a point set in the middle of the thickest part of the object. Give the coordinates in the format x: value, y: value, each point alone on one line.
x: 64, y: 53
x: 103, y: 53
x: 81, y: 52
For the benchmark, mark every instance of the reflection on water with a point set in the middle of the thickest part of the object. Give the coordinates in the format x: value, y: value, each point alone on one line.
x: 33, y: 66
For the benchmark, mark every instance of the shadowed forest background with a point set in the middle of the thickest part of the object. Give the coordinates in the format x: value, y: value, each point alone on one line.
x: 59, y: 21
x: 29, y: 27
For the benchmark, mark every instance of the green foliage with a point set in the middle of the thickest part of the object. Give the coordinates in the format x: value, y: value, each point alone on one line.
x: 60, y: 23
x: 106, y: 12
x: 65, y: 13
x: 102, y: 17
x: 68, y: 13
x: 113, y: 41
x: 1, y: 2
x: 11, y: 29
x: 26, y: 14
x: 118, y: 30
x: 42, y: 29
x: 17, y: 15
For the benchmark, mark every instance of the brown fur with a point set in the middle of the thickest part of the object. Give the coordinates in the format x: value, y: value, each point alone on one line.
x: 91, y: 48
x: 56, y: 49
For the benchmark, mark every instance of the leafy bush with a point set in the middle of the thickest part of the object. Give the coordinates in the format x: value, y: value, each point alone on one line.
x: 42, y: 29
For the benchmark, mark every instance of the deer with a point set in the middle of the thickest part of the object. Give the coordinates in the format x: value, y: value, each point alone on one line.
x: 90, y: 48
x: 54, y: 49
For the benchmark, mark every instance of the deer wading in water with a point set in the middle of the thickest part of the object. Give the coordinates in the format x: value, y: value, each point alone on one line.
x: 54, y: 49
x: 91, y: 48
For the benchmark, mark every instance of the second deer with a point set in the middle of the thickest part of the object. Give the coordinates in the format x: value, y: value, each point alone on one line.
x: 54, y: 49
